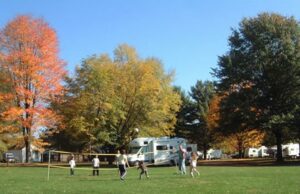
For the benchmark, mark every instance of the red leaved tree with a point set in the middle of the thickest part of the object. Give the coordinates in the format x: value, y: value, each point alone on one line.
x: 29, y: 58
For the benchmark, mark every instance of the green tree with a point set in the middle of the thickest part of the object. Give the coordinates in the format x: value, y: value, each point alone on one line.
x: 108, y: 98
x: 263, y: 65
x: 183, y: 127
x: 202, y: 94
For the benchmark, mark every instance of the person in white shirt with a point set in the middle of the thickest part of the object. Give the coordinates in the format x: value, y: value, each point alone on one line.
x: 121, y: 162
x: 72, y: 165
x: 96, y: 165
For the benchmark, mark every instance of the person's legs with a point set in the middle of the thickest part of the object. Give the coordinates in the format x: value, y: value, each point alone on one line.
x: 195, y: 169
x: 183, y: 169
x: 191, y: 171
x: 146, y: 173
x: 179, y: 164
x: 123, y: 171
x: 71, y: 171
x: 141, y: 174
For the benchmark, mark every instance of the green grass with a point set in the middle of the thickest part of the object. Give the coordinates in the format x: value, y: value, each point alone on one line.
x: 272, y: 179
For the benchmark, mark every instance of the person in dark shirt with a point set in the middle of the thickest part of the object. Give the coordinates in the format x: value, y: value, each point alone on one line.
x: 143, y: 168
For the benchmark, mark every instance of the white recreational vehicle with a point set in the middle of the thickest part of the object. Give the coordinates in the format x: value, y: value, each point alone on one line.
x: 290, y: 150
x: 214, y: 154
x: 158, y: 151
x: 263, y: 152
x: 251, y: 153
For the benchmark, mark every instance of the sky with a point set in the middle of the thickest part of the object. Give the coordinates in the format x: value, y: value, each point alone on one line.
x: 186, y: 35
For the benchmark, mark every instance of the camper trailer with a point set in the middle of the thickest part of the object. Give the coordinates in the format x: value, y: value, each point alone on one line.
x: 251, y: 153
x: 214, y: 154
x: 290, y: 150
x: 158, y: 151
x: 263, y: 152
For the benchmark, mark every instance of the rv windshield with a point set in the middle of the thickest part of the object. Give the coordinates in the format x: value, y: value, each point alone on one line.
x: 134, y: 150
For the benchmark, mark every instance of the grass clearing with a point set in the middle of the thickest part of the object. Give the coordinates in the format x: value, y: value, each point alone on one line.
x: 213, y: 179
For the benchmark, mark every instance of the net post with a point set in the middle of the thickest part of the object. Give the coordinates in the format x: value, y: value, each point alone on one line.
x: 49, y: 158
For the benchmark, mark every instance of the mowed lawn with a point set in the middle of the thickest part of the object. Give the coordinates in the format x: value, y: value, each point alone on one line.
x: 213, y: 179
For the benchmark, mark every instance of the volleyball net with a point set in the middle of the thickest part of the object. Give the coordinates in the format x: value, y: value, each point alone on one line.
x: 84, y: 161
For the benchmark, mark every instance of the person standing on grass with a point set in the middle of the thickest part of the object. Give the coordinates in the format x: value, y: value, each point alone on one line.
x: 96, y: 165
x: 143, y: 168
x: 72, y: 165
x: 182, y: 157
x: 122, y: 162
x: 193, y: 164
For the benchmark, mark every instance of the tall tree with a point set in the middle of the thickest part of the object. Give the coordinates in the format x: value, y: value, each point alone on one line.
x: 202, y: 94
x: 264, y: 55
x: 183, y: 127
x: 29, y: 55
x: 108, y: 98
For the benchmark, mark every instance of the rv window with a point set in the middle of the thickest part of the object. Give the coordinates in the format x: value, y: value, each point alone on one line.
x: 162, y: 147
x: 171, y: 147
x: 145, y: 142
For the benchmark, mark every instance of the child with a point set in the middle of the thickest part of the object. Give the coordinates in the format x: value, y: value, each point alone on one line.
x: 193, y: 164
x: 121, y: 162
x: 72, y: 165
x: 143, y: 168
x: 96, y: 164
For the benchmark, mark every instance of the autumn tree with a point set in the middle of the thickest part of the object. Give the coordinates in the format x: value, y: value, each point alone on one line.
x: 108, y: 98
x: 202, y: 94
x: 29, y: 56
x: 265, y: 55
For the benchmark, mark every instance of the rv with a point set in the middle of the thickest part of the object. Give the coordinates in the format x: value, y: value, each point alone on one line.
x: 157, y: 151
x: 263, y: 152
x: 214, y: 154
x: 251, y: 153
x: 290, y: 150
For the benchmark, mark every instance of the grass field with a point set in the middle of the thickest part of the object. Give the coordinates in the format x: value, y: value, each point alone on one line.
x: 213, y: 179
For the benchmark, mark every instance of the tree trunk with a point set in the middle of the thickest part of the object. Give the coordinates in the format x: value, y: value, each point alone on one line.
x: 240, y: 146
x: 27, y: 147
x: 204, y: 152
x: 279, y: 146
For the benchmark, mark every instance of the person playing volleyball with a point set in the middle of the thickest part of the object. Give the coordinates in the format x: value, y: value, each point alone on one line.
x: 96, y: 164
x: 193, y: 164
x: 121, y: 162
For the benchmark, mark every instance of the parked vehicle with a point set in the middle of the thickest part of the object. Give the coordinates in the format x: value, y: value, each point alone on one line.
x: 9, y: 157
x: 251, y: 153
x: 213, y: 154
x: 158, y: 151
x: 263, y: 152
x: 290, y: 150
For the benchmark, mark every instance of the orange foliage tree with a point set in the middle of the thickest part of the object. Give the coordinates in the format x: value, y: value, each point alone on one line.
x: 29, y: 56
x: 237, y: 141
